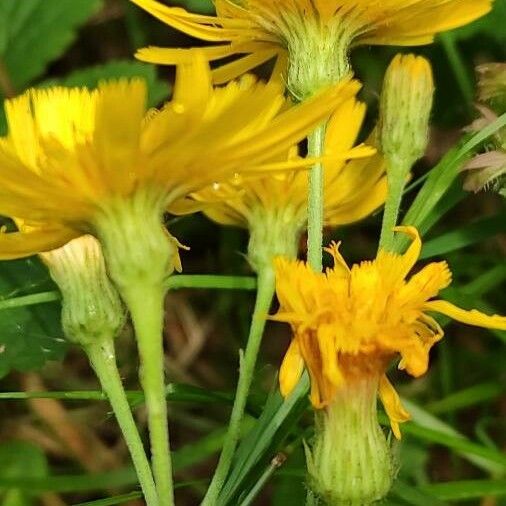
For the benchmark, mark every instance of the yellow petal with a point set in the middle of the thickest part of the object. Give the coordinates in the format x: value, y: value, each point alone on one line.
x: 193, y: 88
x: 225, y: 73
x: 119, y: 112
x: 392, y: 404
x: 202, y: 27
x: 394, y: 268
x: 23, y: 244
x: 291, y: 369
x: 364, y: 204
x: 343, y: 126
x: 426, y: 284
x: 472, y: 317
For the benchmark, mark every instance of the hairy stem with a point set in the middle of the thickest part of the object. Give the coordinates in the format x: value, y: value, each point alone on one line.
x: 316, y: 144
x: 396, y: 182
x: 265, y: 293
x: 146, y: 307
x: 103, y: 360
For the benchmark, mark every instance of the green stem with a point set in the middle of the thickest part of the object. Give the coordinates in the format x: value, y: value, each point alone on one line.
x: 200, y: 281
x: 265, y: 293
x: 103, y: 360
x: 146, y: 308
x: 459, y: 68
x: 396, y: 183
x: 315, y: 148
x: 211, y: 281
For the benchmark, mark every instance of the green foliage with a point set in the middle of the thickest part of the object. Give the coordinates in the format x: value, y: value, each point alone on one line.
x: 35, y: 32
x: 458, y: 425
x: 89, y: 77
x: 491, y: 26
x: 28, y: 336
x: 200, y: 6
x: 20, y: 460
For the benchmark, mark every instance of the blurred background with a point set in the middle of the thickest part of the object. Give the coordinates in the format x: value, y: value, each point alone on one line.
x: 56, y: 451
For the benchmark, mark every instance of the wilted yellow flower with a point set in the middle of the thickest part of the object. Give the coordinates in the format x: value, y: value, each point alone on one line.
x: 274, y: 207
x: 349, y: 324
x: 78, y: 161
x: 316, y: 34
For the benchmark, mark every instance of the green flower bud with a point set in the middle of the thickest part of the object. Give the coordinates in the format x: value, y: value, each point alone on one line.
x: 318, y: 54
x: 406, y: 103
x: 350, y: 462
x: 91, y: 307
x: 273, y: 234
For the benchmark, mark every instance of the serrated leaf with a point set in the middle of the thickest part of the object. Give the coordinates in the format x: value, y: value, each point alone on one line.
x: 29, y: 336
x: 35, y: 32
x: 158, y: 90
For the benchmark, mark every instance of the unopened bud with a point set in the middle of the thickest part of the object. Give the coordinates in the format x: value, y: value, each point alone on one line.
x: 406, y: 103
x: 91, y: 307
x: 350, y: 462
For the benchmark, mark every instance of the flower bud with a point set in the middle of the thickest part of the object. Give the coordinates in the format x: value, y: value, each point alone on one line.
x: 273, y: 234
x: 91, y: 307
x: 350, y: 461
x: 406, y: 103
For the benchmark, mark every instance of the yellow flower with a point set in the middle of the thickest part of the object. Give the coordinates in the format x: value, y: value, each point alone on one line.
x: 317, y: 33
x: 78, y: 161
x: 349, y: 324
x: 274, y: 206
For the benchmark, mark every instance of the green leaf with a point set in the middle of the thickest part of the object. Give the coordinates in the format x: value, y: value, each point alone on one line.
x: 414, y: 496
x: 158, y: 90
x: 200, y: 281
x: 20, y: 460
x: 290, y: 489
x: 441, y: 178
x: 35, y: 32
x: 275, y: 421
x: 112, y: 501
x: 72, y: 483
x: 491, y: 25
x: 473, y: 233
x: 429, y: 428
x: 174, y: 393
x: 199, y: 6
x: 466, y: 490
x: 476, y: 394
x: 28, y: 336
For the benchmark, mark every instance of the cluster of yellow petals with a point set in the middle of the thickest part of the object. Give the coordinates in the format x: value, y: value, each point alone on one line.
x: 355, y: 183
x: 70, y: 153
x: 350, y: 323
x: 257, y: 30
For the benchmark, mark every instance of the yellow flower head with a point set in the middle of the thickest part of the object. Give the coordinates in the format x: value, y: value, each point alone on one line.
x: 318, y: 33
x: 274, y: 206
x: 349, y: 324
x: 78, y: 161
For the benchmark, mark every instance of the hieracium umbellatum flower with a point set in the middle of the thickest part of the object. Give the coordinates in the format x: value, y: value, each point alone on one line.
x: 349, y: 324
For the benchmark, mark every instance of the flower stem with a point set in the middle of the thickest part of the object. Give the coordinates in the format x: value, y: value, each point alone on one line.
x: 396, y: 176
x: 265, y: 293
x: 316, y: 144
x: 103, y: 360
x: 146, y: 308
